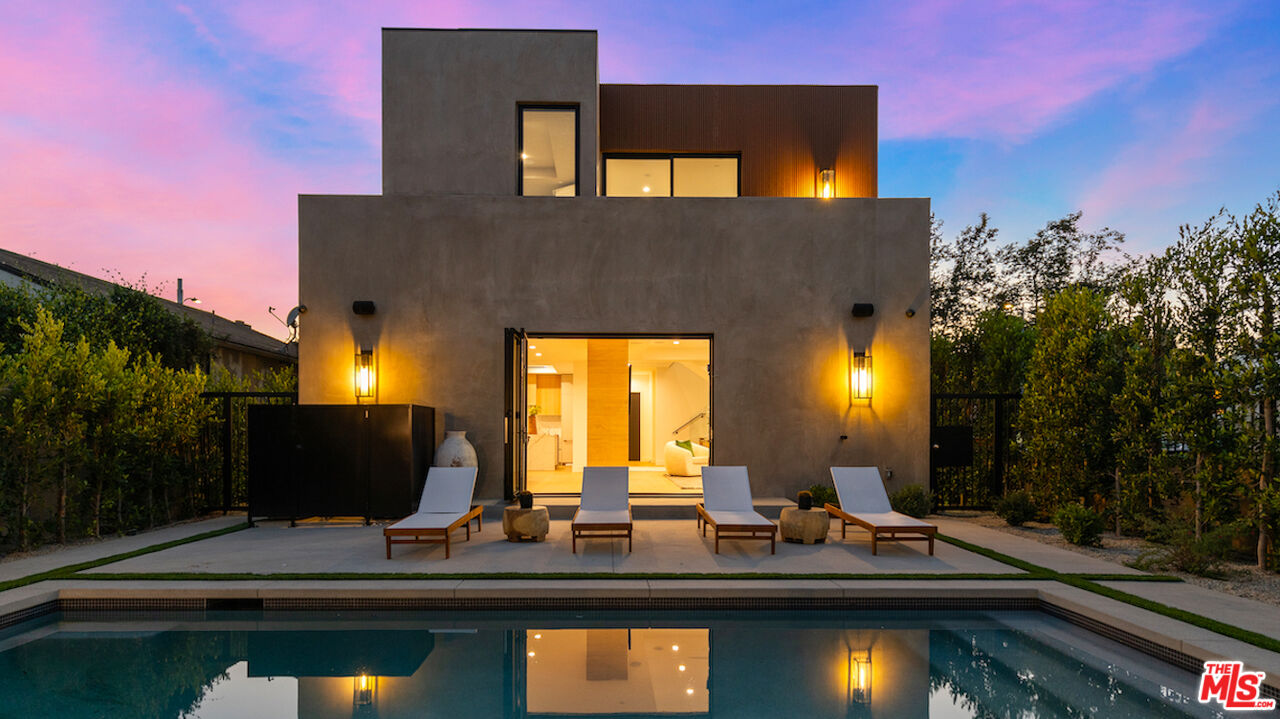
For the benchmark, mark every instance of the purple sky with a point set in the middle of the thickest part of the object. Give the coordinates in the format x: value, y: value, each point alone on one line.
x: 155, y: 140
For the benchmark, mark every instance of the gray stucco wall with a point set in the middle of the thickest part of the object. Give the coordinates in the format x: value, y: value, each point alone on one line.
x: 449, y: 102
x: 772, y: 279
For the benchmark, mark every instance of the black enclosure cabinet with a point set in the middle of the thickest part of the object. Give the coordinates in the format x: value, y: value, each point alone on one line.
x: 338, y: 460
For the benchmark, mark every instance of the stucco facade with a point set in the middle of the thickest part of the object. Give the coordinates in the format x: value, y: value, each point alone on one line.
x: 452, y: 261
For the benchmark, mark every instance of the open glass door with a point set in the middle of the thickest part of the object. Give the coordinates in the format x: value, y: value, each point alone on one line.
x: 516, y: 427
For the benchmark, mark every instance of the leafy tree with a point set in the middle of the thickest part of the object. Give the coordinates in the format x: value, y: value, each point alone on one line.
x: 1060, y: 254
x: 1064, y: 418
x: 963, y: 276
x: 1194, y: 413
x: 1255, y: 289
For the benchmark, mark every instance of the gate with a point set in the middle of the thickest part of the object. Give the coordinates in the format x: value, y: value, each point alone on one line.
x: 972, y: 445
x: 226, y: 444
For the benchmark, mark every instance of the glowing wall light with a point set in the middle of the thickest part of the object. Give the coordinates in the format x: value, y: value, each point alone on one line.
x: 860, y: 376
x: 858, y: 681
x: 364, y: 692
x: 826, y: 184
x: 366, y: 374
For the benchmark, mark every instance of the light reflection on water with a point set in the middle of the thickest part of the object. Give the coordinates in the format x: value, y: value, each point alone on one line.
x: 485, y: 664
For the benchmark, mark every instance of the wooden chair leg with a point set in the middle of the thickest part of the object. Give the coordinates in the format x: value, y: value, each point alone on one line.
x: 930, y: 545
x: 446, y: 545
x: 468, y: 531
x: 873, y: 542
x: 628, y: 540
x: 574, y: 540
x: 717, y: 539
x: 388, y: 547
x: 843, y: 528
x: 773, y: 543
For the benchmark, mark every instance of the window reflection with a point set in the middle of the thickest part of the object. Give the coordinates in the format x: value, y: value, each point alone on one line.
x: 617, y: 671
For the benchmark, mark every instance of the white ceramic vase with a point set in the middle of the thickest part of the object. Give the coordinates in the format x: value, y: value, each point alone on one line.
x: 455, y: 451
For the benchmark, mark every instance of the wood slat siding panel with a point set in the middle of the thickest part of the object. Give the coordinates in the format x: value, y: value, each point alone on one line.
x: 608, y: 402
x: 784, y: 132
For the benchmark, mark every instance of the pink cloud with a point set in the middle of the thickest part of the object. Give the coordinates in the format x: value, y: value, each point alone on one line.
x: 125, y: 166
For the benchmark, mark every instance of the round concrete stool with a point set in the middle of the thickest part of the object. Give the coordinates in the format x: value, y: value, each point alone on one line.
x: 804, y: 526
x: 522, y: 524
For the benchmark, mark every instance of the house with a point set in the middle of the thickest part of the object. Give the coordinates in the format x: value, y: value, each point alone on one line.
x: 654, y: 275
x: 237, y: 347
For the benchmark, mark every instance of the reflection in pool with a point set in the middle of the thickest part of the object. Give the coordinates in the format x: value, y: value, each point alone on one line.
x: 579, y: 664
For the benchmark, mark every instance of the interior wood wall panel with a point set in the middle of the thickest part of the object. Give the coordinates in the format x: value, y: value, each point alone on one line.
x: 608, y: 402
x: 547, y: 396
x: 784, y: 132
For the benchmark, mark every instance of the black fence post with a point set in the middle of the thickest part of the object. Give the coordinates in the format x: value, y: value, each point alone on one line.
x: 226, y: 454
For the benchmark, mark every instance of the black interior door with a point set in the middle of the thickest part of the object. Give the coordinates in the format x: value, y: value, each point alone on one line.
x: 633, y: 428
x: 516, y: 424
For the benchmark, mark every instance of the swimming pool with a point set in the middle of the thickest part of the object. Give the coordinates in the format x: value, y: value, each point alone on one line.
x: 393, y: 664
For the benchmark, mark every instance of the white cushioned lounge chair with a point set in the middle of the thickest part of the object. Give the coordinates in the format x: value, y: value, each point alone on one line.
x: 445, y: 507
x: 605, y: 511
x: 726, y: 506
x: 864, y: 502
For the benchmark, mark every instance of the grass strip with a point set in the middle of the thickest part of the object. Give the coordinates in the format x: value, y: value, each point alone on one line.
x: 382, y: 576
x: 70, y: 569
x: 1089, y: 583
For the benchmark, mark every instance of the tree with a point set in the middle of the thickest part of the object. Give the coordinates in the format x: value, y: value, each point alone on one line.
x: 963, y: 276
x: 1060, y: 254
x: 1200, y: 275
x: 1064, y: 418
x: 1255, y: 289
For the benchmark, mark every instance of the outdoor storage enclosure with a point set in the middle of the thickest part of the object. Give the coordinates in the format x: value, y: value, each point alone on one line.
x: 338, y: 460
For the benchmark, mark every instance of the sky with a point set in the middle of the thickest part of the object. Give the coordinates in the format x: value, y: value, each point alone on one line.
x: 150, y: 140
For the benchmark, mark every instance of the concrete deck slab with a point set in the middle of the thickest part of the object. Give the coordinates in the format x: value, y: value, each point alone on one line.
x: 1044, y: 555
x: 1236, y: 611
x: 1199, y: 643
x: 44, y: 561
x: 659, y: 546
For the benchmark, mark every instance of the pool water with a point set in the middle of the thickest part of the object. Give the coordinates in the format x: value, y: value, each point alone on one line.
x: 579, y: 664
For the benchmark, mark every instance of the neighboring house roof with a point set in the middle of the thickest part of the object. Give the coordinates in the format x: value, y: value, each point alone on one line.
x: 226, y: 333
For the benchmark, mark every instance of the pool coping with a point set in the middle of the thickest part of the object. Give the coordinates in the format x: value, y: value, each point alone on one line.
x: 1169, y: 640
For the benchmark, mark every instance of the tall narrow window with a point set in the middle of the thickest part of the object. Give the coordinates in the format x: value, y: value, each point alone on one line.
x: 548, y: 151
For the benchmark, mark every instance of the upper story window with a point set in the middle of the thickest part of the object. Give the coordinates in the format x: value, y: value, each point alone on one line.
x: 671, y: 175
x: 548, y: 151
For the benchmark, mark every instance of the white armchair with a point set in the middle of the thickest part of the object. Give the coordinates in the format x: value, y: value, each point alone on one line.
x: 683, y: 463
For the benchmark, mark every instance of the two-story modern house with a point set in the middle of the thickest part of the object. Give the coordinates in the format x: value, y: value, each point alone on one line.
x: 661, y: 276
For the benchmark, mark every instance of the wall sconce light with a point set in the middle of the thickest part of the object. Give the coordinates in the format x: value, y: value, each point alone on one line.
x: 858, y: 683
x: 364, y: 691
x: 860, y: 376
x: 826, y: 184
x: 366, y: 374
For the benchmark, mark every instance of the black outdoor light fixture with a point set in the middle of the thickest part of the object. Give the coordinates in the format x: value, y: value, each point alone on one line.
x: 863, y: 309
x: 363, y: 307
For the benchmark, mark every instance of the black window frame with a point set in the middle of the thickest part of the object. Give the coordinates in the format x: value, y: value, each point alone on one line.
x: 670, y: 157
x: 577, y: 142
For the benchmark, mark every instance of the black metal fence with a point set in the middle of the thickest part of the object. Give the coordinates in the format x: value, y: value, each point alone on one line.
x: 226, y: 444
x: 973, y: 447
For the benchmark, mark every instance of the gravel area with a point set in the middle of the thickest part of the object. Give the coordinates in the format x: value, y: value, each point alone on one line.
x: 1242, y: 580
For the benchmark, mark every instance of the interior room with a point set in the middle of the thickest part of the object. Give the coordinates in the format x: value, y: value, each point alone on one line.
x: 643, y: 402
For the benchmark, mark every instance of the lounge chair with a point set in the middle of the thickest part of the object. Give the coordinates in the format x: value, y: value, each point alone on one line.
x: 726, y: 506
x: 864, y: 502
x: 605, y: 511
x: 445, y: 507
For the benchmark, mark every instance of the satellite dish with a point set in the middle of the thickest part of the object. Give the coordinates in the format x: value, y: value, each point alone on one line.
x: 292, y: 319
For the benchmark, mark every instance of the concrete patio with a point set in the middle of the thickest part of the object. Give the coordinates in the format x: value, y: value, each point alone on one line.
x: 660, y: 546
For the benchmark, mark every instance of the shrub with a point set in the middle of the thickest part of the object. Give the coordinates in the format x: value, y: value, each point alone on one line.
x: 824, y: 494
x: 913, y: 501
x: 1202, y: 557
x: 1016, y: 508
x: 1079, y: 525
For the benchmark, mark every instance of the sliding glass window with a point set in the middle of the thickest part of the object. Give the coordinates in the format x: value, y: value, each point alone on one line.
x: 690, y: 175
x: 548, y: 151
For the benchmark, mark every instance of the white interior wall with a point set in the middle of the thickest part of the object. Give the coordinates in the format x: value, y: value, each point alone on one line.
x: 566, y: 418
x: 679, y: 392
